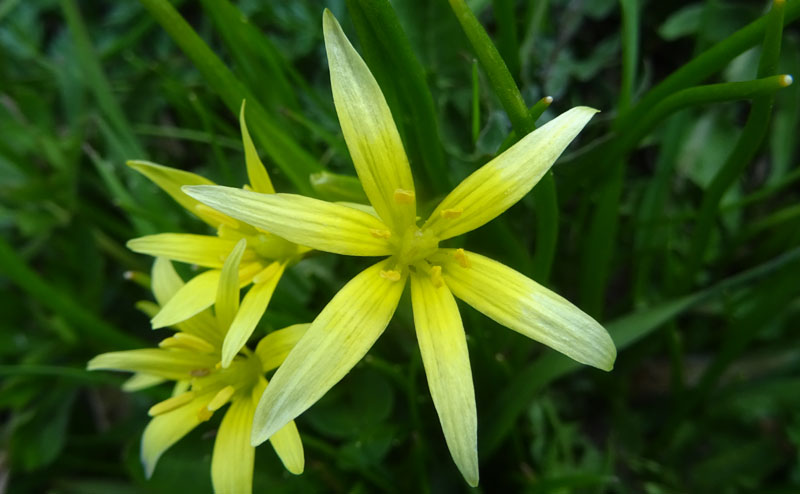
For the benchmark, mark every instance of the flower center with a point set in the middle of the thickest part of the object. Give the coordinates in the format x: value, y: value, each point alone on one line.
x: 415, y: 245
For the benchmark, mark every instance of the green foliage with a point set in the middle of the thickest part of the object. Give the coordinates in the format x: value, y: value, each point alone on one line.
x: 673, y: 220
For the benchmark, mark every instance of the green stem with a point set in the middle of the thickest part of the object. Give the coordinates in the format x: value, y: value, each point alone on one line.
x: 545, y: 195
x: 630, y: 49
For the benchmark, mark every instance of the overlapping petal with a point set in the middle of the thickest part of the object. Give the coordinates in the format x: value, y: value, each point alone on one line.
x: 443, y: 345
x: 273, y: 348
x: 233, y: 457
x: 165, y: 430
x: 197, y: 294
x: 170, y: 180
x: 253, y: 306
x: 368, y: 129
x: 168, y: 364
x: 519, y: 303
x: 305, y: 221
x: 338, y: 338
x: 164, y: 280
x: 203, y: 250
x: 499, y: 184
x: 256, y: 172
x: 227, y: 301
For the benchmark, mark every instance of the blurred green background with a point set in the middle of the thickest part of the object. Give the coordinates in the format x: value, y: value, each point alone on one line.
x: 674, y: 220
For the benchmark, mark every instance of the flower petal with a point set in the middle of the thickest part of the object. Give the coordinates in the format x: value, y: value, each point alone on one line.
x: 165, y: 430
x: 233, y: 458
x: 226, y: 305
x: 523, y: 305
x: 191, y: 298
x: 140, y: 381
x: 203, y: 250
x: 444, y: 354
x: 502, y: 182
x: 287, y: 444
x: 368, y: 129
x: 338, y: 338
x: 254, y: 304
x: 170, y: 180
x: 273, y: 348
x: 168, y: 364
x: 164, y: 280
x: 256, y: 172
x: 305, y: 221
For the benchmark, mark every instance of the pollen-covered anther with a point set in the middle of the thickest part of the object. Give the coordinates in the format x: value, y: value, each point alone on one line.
x: 436, y: 276
x: 451, y: 213
x: 203, y: 414
x: 461, y: 258
x: 223, y: 396
x: 171, y: 403
x: 380, y: 233
x: 186, y: 341
x: 403, y: 196
x: 390, y: 275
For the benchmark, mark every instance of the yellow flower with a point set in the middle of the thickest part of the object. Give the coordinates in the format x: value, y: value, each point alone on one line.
x: 263, y: 261
x: 191, y: 358
x: 348, y: 326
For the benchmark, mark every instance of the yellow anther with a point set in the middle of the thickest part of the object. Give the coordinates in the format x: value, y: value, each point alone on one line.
x: 199, y: 372
x: 452, y: 213
x: 380, y: 233
x: 186, y: 341
x: 391, y: 275
x: 436, y: 276
x: 403, y: 196
x: 171, y: 403
x: 204, y: 414
x: 461, y: 258
x: 222, y: 397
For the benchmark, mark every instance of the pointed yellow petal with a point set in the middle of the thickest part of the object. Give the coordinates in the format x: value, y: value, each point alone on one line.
x: 305, y: 221
x: 287, y: 444
x: 253, y: 306
x: 194, y: 296
x: 204, y: 325
x: 502, y: 182
x: 338, y: 338
x: 232, y: 461
x: 165, y: 430
x: 168, y: 364
x: 368, y: 129
x: 444, y: 354
x: 523, y: 305
x: 227, y: 301
x: 273, y: 348
x: 164, y: 280
x: 170, y: 180
x: 203, y: 250
x: 256, y: 173
x: 139, y: 381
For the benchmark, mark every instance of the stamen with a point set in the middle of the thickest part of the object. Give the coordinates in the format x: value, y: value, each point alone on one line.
x: 222, y: 397
x: 171, y: 403
x: 436, y: 276
x: 403, y: 196
x: 461, y: 258
x: 391, y: 275
x: 199, y: 372
x: 203, y: 414
x: 187, y: 341
x: 450, y: 214
x: 380, y: 233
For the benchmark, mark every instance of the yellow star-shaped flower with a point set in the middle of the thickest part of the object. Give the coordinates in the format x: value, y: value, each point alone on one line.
x: 263, y: 262
x: 191, y: 358
x: 349, y: 325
